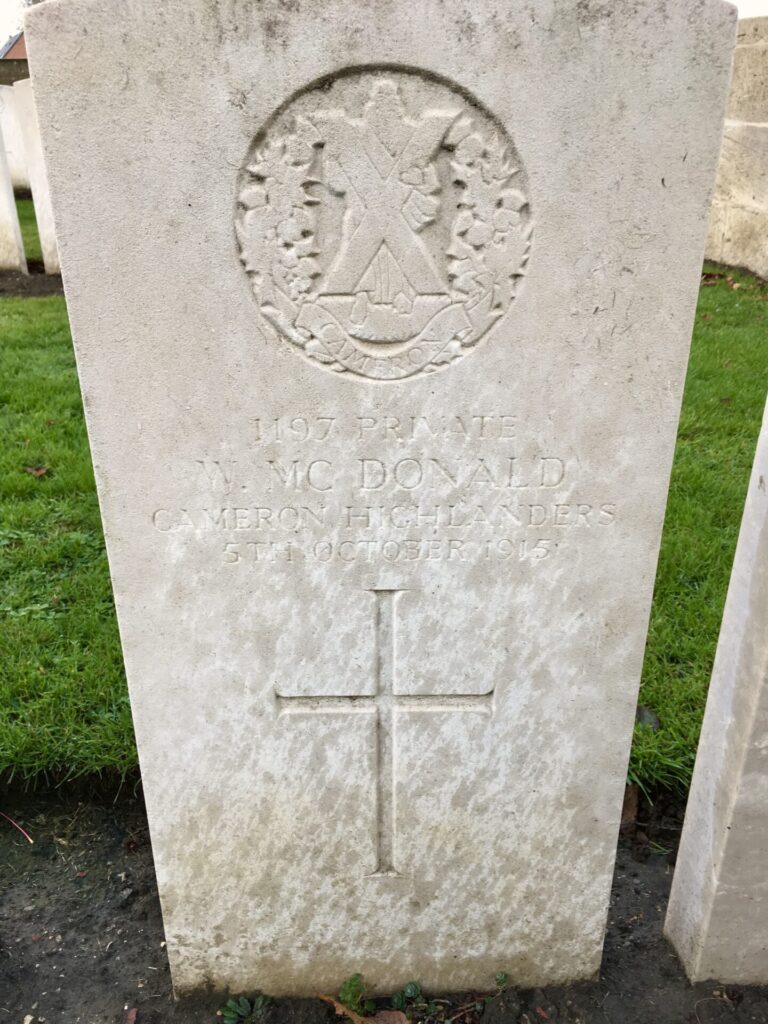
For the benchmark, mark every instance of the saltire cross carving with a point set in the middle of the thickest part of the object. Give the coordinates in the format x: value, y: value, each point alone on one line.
x: 374, y: 153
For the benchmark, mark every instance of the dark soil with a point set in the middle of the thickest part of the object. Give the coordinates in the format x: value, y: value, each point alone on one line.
x: 30, y: 285
x: 81, y: 939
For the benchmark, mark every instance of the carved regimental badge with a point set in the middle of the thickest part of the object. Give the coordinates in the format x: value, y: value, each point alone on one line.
x: 384, y: 223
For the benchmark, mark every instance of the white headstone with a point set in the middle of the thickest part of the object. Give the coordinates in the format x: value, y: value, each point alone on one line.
x: 738, y: 225
x: 14, y: 143
x: 748, y: 100
x: 11, y: 245
x: 382, y: 385
x: 717, y: 911
x: 33, y: 149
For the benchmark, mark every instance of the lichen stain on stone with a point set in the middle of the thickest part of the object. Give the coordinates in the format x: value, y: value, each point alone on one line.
x: 592, y: 12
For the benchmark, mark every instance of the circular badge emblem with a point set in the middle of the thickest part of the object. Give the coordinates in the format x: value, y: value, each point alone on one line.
x: 384, y: 223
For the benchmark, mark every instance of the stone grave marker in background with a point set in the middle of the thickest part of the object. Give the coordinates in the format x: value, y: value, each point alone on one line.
x: 382, y: 379
x: 14, y: 143
x: 11, y: 245
x: 748, y: 99
x: 738, y: 225
x: 38, y: 178
x: 717, y: 910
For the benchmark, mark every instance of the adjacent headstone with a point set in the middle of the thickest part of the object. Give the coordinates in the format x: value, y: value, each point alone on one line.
x: 717, y: 916
x: 14, y: 143
x: 11, y: 245
x: 382, y: 382
x: 38, y: 178
x: 748, y: 100
x: 738, y: 228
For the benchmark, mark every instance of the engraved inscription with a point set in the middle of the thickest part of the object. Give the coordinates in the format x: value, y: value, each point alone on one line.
x: 386, y: 705
x: 459, y: 487
x: 384, y: 223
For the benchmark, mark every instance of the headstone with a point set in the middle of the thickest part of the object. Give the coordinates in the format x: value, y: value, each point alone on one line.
x: 11, y: 245
x: 716, y: 917
x: 382, y: 394
x: 14, y: 144
x: 738, y: 227
x: 38, y: 178
x: 748, y: 100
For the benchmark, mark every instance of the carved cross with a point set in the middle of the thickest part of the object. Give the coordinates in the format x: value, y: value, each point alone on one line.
x: 386, y: 705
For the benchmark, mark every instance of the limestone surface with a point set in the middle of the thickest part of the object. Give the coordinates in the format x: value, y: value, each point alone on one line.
x: 738, y: 222
x: 11, y: 245
x: 738, y: 225
x: 38, y: 177
x: 382, y: 372
x: 14, y: 143
x: 748, y: 100
x: 717, y: 916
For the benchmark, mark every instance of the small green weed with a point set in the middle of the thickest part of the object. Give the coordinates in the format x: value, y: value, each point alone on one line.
x: 243, y: 1011
x: 410, y: 1005
x: 419, y: 1008
x: 407, y: 995
x: 352, y: 995
x: 236, y: 1011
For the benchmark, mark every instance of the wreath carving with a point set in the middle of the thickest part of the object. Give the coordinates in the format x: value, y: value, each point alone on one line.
x: 384, y: 224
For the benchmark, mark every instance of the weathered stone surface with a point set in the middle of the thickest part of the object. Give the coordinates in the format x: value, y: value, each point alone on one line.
x: 718, y: 909
x: 14, y: 143
x: 738, y: 224
x: 11, y: 246
x: 748, y: 100
x: 38, y: 178
x: 751, y: 30
x: 382, y: 378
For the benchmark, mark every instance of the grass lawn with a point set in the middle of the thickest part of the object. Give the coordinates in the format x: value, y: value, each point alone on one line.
x: 28, y: 224
x: 725, y: 392
x: 63, y: 703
